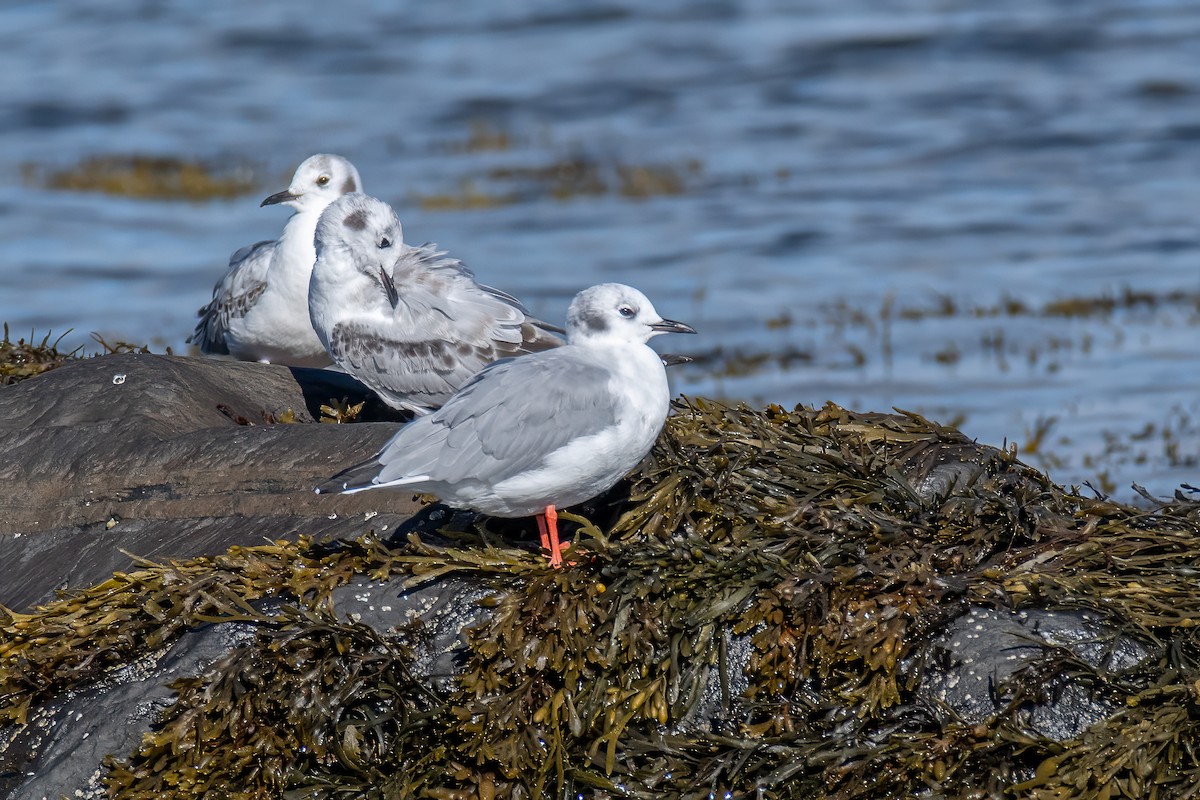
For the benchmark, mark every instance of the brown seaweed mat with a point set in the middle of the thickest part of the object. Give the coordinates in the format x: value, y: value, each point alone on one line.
x: 757, y: 624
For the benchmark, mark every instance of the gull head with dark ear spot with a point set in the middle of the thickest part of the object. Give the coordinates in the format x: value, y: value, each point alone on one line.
x: 365, y: 226
x: 615, y: 312
x: 319, y: 180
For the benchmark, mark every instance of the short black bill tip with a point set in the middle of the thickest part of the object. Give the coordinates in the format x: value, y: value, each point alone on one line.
x: 277, y: 198
x: 671, y: 326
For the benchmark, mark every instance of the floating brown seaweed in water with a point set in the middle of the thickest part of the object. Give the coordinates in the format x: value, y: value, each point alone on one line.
x: 158, y: 177
x: 821, y: 550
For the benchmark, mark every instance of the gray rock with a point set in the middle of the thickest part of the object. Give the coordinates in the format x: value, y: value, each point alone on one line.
x: 62, y: 748
x: 168, y: 457
x: 974, y: 666
x: 64, y: 744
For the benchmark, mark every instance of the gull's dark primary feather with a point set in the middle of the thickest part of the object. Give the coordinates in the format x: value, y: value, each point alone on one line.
x: 359, y: 474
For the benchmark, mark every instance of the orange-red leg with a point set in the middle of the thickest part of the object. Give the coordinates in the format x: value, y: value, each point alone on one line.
x: 548, y: 527
x: 541, y: 521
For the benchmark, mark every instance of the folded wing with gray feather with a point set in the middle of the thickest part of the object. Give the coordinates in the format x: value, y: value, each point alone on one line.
x: 233, y: 295
x: 442, y: 329
x: 504, y: 422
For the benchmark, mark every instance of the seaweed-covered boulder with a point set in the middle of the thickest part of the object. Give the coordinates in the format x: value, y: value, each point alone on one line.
x: 780, y: 604
x: 168, y: 457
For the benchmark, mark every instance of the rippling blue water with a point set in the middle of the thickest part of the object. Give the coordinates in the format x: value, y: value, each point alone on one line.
x: 836, y: 160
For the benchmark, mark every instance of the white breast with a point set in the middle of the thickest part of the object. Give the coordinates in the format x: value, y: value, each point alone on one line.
x: 277, y: 328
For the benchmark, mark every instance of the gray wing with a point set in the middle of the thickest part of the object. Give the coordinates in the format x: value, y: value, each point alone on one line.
x: 541, y: 329
x: 505, y: 421
x: 443, y: 328
x: 233, y: 295
x: 536, y: 335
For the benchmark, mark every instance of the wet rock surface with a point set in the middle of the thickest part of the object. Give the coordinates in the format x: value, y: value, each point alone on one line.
x: 60, y: 751
x: 978, y: 666
x: 168, y: 457
x: 794, y: 603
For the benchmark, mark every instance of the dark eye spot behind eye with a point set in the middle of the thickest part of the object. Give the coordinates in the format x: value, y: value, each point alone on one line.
x: 356, y: 220
x: 349, y: 186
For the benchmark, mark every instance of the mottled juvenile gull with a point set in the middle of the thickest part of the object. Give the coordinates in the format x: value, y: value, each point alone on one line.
x: 529, y: 434
x: 409, y: 322
x: 259, y: 310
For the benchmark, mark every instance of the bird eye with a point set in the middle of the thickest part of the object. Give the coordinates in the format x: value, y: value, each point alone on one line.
x: 323, y: 180
x: 385, y: 243
x: 626, y: 311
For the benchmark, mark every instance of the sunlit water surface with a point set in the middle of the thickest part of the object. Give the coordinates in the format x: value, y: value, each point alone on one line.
x: 923, y: 205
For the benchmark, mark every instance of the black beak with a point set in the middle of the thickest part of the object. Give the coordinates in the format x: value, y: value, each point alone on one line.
x: 671, y: 326
x: 278, y: 197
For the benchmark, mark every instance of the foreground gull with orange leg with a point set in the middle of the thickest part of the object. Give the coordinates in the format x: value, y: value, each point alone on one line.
x: 543, y: 431
x: 548, y: 526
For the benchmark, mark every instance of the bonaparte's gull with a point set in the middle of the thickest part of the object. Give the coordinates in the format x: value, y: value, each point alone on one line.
x: 555, y: 428
x: 409, y: 322
x: 259, y: 310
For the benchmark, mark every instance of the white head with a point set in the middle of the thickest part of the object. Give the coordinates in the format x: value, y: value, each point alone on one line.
x: 318, y: 181
x: 614, y: 313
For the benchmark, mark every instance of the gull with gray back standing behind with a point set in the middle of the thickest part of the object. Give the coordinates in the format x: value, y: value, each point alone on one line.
x: 259, y: 309
x: 527, y: 435
x: 409, y: 322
